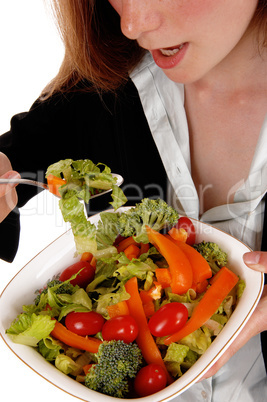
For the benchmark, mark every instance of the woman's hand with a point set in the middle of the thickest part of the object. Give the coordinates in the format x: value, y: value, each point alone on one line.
x: 258, y: 321
x: 8, y: 194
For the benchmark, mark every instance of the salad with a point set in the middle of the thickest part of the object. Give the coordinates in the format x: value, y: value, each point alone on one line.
x: 138, y: 309
x: 78, y: 180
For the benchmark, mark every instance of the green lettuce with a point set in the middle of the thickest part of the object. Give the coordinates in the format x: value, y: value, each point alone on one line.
x: 240, y: 287
x: 140, y: 269
x: 65, y: 364
x: 107, y: 229
x: 110, y: 296
x: 175, y: 356
x: 83, y: 230
x: 198, y: 341
x: 83, y: 179
x: 118, y: 197
x: 50, y: 348
x: 29, y: 329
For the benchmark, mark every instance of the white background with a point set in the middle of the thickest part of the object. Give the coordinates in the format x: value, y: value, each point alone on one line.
x: 30, y: 55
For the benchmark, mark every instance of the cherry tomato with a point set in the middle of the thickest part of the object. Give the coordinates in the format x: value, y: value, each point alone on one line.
x: 85, y: 276
x: 88, y: 323
x: 168, y: 319
x: 150, y: 379
x: 186, y: 224
x: 122, y: 327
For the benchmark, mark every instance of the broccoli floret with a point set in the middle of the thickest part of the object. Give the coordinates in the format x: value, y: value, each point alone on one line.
x: 216, y: 257
x: 156, y: 214
x: 61, y: 288
x: 117, y: 363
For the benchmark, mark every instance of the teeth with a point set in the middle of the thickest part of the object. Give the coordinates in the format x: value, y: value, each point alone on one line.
x: 171, y: 52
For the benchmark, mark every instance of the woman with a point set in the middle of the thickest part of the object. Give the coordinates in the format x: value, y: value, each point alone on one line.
x: 189, y: 125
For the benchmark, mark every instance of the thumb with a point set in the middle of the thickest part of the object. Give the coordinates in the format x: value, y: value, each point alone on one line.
x: 256, y: 260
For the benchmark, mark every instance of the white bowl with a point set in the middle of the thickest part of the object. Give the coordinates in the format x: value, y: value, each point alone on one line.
x: 60, y: 254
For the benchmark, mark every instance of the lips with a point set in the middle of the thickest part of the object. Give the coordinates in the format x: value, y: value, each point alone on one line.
x: 170, y: 57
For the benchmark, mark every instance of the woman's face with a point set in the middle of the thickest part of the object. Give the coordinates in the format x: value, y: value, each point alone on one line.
x: 187, y: 38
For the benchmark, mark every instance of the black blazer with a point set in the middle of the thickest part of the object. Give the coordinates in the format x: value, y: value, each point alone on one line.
x: 109, y: 128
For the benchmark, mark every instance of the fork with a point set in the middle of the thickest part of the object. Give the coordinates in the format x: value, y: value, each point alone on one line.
x: 45, y: 186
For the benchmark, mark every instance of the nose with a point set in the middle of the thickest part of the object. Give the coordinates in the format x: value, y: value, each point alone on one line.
x: 139, y: 17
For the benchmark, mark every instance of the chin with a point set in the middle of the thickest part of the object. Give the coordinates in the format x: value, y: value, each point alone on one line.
x: 186, y: 74
x: 182, y: 77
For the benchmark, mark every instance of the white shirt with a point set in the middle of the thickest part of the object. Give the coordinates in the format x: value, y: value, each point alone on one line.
x: 163, y: 104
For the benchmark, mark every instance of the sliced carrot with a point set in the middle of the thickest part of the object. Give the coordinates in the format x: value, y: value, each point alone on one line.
x: 86, y: 368
x: 217, y: 275
x: 144, y: 338
x: 208, y: 305
x: 118, y: 309
x: 54, y: 183
x: 75, y: 341
x: 132, y: 251
x: 126, y: 242
x: 202, y: 286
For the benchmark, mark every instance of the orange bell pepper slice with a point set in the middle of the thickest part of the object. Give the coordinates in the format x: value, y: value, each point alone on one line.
x: 208, y: 305
x: 200, y: 266
x: 124, y: 243
x: 163, y: 277
x: 132, y: 251
x: 75, y: 341
x: 179, y: 265
x: 178, y: 234
x: 86, y: 256
x: 120, y: 308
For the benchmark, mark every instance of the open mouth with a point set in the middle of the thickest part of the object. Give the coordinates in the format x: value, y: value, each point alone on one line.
x: 171, y: 51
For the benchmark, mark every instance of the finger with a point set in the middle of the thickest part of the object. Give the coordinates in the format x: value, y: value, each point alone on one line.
x: 256, y: 260
x: 5, y: 164
x: 8, y: 195
x: 6, y: 188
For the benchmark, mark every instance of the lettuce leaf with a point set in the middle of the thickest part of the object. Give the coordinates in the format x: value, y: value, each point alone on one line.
x: 118, y: 197
x: 107, y: 229
x: 65, y: 364
x: 175, y: 356
x: 198, y: 341
x: 136, y: 268
x: 83, y: 179
x: 30, y: 329
x: 50, y: 348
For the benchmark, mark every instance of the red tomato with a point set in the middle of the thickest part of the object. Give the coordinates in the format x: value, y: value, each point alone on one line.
x: 168, y: 319
x: 186, y: 224
x: 150, y: 379
x: 122, y: 327
x: 85, y: 276
x: 88, y: 323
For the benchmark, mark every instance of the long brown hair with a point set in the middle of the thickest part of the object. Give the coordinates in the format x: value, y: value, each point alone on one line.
x: 96, y: 51
x: 97, y: 55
